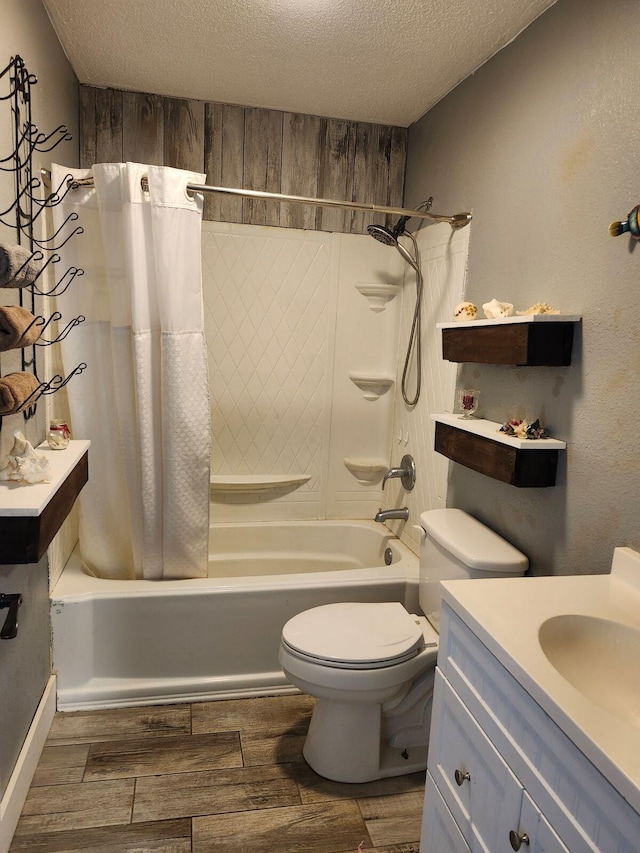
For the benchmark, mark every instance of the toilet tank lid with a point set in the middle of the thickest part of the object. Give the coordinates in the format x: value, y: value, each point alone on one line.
x: 473, y: 543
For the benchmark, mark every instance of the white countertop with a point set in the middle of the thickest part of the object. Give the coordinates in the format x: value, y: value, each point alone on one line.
x: 20, y: 499
x: 491, y: 430
x: 516, y: 318
x: 506, y: 615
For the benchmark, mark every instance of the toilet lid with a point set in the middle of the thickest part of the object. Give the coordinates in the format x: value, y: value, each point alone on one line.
x: 355, y: 634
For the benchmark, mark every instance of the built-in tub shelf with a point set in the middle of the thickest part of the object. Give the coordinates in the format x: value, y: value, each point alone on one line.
x: 378, y: 293
x: 372, y: 385
x: 366, y: 470
x: 534, y: 339
x: 31, y: 514
x: 479, y: 445
x: 249, y: 484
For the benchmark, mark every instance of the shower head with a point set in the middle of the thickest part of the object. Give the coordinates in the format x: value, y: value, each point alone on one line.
x: 382, y: 234
x: 390, y: 238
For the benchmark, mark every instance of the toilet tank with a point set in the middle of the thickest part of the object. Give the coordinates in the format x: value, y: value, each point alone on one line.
x: 457, y: 546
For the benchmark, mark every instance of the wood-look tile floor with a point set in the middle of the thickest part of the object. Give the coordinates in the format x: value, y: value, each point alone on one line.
x: 212, y: 777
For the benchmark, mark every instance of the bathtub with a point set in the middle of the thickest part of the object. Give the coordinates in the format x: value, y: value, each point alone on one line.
x: 123, y: 643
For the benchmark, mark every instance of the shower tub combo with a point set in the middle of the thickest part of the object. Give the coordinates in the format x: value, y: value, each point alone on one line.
x: 121, y: 643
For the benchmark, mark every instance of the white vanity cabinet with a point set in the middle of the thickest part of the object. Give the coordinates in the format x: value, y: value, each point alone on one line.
x: 501, y: 775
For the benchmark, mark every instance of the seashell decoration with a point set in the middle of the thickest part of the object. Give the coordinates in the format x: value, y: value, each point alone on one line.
x: 24, y: 463
x: 495, y: 310
x: 538, y: 308
x: 465, y: 311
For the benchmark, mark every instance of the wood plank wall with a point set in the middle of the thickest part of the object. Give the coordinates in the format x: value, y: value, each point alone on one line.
x: 254, y: 149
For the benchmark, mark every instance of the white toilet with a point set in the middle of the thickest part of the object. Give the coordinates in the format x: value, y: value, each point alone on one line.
x: 371, y: 666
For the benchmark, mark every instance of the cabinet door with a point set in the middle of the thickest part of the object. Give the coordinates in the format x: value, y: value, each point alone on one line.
x: 481, y: 792
x: 440, y: 832
x: 539, y: 835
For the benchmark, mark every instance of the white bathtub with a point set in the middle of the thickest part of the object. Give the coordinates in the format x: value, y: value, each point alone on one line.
x: 119, y: 643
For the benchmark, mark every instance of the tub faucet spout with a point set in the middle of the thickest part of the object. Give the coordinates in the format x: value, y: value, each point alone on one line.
x: 384, y: 514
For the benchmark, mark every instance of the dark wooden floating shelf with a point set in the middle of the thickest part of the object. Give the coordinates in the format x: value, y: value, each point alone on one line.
x: 517, y: 466
x: 528, y: 343
x: 25, y: 538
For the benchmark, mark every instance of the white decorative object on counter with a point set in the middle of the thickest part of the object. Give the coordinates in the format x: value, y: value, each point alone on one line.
x: 58, y: 435
x: 538, y: 308
x: 465, y: 311
x: 494, y: 310
x: 24, y: 464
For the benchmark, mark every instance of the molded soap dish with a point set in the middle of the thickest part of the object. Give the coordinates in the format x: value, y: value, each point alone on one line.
x: 366, y: 471
x: 378, y: 293
x: 248, y: 484
x: 372, y: 385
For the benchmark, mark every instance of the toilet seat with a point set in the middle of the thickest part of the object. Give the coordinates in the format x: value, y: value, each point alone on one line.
x: 355, y: 635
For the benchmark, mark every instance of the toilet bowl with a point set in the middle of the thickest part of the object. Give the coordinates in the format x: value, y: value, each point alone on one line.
x: 373, y: 682
x: 371, y: 666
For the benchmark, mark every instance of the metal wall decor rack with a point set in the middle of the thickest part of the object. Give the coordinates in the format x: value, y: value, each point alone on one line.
x: 23, y: 216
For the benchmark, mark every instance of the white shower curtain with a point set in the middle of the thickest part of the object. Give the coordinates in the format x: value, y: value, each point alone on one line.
x: 143, y: 399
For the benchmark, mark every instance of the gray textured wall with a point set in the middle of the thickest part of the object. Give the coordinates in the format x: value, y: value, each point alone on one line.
x: 542, y: 145
x: 24, y: 661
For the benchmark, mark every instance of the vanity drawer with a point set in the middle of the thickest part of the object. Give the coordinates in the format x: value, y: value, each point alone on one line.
x: 440, y: 832
x: 480, y: 790
x: 541, y: 836
x: 585, y: 810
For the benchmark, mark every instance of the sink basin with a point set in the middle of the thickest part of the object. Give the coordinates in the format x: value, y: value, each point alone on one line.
x: 599, y: 657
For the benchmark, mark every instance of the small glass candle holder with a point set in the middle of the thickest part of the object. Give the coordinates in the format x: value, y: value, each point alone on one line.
x: 58, y: 435
x: 468, y: 402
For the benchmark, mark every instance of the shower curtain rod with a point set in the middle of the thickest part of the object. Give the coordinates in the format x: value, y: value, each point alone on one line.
x: 458, y: 220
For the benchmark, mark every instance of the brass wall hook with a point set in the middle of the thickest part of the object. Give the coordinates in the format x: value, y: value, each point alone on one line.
x: 631, y: 225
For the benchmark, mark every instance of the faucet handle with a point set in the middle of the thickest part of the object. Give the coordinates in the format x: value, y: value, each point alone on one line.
x: 406, y: 471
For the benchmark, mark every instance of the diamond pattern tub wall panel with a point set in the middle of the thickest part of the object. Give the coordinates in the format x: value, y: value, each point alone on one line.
x: 285, y: 325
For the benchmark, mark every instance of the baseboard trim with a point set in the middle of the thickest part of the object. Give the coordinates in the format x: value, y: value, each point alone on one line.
x: 13, y: 800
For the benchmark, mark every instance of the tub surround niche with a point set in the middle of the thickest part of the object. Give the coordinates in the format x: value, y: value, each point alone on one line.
x: 251, y: 148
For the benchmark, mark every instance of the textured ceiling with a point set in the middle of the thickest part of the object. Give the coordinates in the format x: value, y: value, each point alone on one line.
x: 383, y: 61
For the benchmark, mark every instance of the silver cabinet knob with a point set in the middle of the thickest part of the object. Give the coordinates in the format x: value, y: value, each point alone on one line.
x: 517, y: 841
x: 461, y: 777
